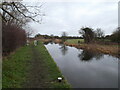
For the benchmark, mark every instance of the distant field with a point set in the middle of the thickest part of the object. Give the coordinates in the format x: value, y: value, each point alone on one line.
x: 75, y: 41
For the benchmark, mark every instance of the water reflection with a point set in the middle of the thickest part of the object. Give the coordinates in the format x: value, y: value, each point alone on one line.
x: 87, y: 55
x: 64, y: 49
x: 84, y: 55
x: 46, y: 43
x: 99, y: 71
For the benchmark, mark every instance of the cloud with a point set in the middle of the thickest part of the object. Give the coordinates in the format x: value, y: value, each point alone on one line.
x: 71, y: 16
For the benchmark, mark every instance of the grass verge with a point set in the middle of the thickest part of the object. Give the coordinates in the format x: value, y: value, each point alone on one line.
x: 51, y: 71
x: 14, y: 68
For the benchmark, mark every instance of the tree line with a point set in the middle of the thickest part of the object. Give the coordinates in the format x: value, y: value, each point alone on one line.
x: 90, y: 35
x: 57, y: 37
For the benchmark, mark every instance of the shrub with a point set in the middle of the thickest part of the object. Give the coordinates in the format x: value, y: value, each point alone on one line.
x: 12, y: 38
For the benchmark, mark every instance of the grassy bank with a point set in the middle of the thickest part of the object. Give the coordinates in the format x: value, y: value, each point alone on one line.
x: 15, y: 68
x: 52, y: 71
x: 31, y: 67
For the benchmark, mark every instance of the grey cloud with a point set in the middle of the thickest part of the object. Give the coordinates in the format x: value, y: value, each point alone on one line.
x: 71, y: 16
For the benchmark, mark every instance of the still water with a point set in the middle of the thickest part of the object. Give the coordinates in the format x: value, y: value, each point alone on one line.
x: 85, y: 69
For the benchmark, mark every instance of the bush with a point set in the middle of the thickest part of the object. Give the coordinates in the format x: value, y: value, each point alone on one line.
x: 12, y: 38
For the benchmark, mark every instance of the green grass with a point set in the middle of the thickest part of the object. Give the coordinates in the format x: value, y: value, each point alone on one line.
x: 75, y: 41
x: 53, y: 71
x: 15, y: 68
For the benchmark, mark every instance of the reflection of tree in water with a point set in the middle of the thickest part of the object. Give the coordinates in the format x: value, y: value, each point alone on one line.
x: 88, y: 55
x: 51, y: 42
x: 46, y: 43
x: 64, y: 49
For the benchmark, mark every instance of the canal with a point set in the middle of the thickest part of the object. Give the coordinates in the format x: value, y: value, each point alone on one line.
x: 85, y: 69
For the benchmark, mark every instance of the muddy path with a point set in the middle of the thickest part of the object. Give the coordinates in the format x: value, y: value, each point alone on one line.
x: 37, y: 74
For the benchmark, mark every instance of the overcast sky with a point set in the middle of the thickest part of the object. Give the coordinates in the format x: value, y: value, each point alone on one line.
x: 71, y: 16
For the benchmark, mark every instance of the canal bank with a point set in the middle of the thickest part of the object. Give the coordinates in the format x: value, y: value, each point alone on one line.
x: 32, y: 67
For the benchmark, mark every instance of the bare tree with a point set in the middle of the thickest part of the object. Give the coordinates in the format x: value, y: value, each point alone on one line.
x: 99, y: 33
x: 64, y: 36
x: 14, y: 12
x: 115, y: 36
x: 29, y: 31
x: 15, y: 15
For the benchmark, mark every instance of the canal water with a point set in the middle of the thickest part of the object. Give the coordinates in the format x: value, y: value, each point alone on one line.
x: 85, y: 69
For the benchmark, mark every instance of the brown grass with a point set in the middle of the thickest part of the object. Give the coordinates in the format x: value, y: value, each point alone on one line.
x: 106, y: 49
x: 45, y: 40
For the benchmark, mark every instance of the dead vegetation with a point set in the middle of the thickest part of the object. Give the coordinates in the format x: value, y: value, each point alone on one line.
x: 106, y: 49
